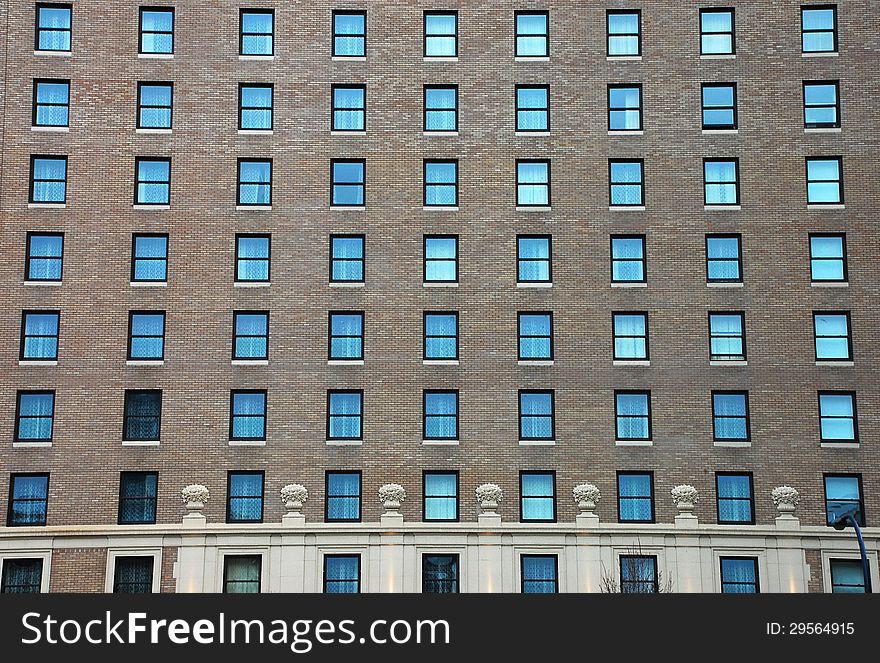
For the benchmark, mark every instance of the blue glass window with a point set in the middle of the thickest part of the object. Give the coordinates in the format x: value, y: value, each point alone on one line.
x: 53, y: 27
x: 45, y: 253
x: 719, y: 106
x: 254, y: 182
x: 252, y: 257
x: 441, y: 183
x: 730, y: 415
x: 441, y: 259
x: 628, y: 261
x: 633, y: 415
x: 843, y: 493
x: 832, y: 334
x: 624, y: 33
x: 345, y: 415
x: 821, y: 104
x: 441, y: 34
x: 146, y: 335
x: 532, y: 108
x: 739, y: 575
x: 532, y: 183
x: 255, y: 107
x: 440, y: 574
x: 245, y: 497
x: 133, y: 574
x: 346, y: 335
x: 48, y: 180
x: 535, y: 336
x: 536, y: 415
x: 248, y: 419
x: 721, y: 182
x: 624, y: 107
x: 347, y: 182
x: 717, y: 32
x: 29, y: 497
x: 153, y: 181
x: 257, y: 27
x: 533, y: 259
x: 347, y: 258
x: 532, y: 34
x: 441, y: 108
x: 51, y: 103
x: 723, y: 258
x: 137, y: 497
x: 824, y: 181
x: 819, y: 28
x: 441, y: 336
x: 537, y: 492
x: 630, y: 335
x: 837, y: 417
x: 36, y: 412
x: 149, y: 257
x: 727, y: 337
x: 349, y: 107
x: 157, y: 30
x: 626, y: 183
x: 142, y: 415
x: 441, y: 496
x: 39, y: 335
x: 154, y: 105
x: 242, y: 574
x: 441, y: 415
x: 638, y: 574
x: 342, y: 574
x: 539, y: 574
x: 22, y: 575
x: 735, y: 500
x: 251, y: 335
x: 349, y: 34
x: 847, y: 576
x: 343, y: 496
x: 635, y: 497
x: 828, y: 257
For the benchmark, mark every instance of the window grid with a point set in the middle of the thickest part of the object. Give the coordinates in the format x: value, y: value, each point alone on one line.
x: 28, y: 499
x: 345, y: 409
x: 630, y: 336
x: 626, y: 182
x: 244, y: 496
x: 628, y: 259
x: 727, y: 336
x: 250, y: 335
x: 638, y: 574
x: 833, y: 335
x: 253, y: 257
x: 149, y: 257
x: 838, y: 417
x: 719, y: 106
x: 824, y: 180
x: 156, y: 30
x: 345, y: 335
x: 242, y: 574
x: 48, y: 182
x: 133, y: 574
x: 347, y: 182
x: 441, y: 108
x: 539, y: 574
x: 535, y: 335
x: 342, y: 574
x: 137, y: 498
x: 533, y: 183
x: 441, y: 34
x: 349, y: 112
x: 342, y: 500
x: 534, y: 497
x: 51, y: 105
x: 441, y: 342
x: 532, y: 40
x: 440, y: 259
x: 721, y: 181
x: 254, y: 182
x: 256, y: 39
x: 34, y: 416
x: 624, y: 29
x: 735, y: 498
x: 349, y: 34
x: 635, y: 497
x: 155, y: 105
x: 142, y: 418
x: 440, y: 414
x: 819, y: 28
x: 625, y: 107
x: 146, y: 335
x: 722, y: 264
x: 247, y: 418
x: 632, y: 414
x: 21, y: 576
x: 842, y: 492
x: 821, y: 109
x: 537, y: 415
x: 44, y: 256
x: 347, y: 258
x: 441, y: 183
x: 828, y: 261
x: 532, y: 108
x: 739, y: 575
x: 256, y: 105
x: 152, y: 181
x: 39, y: 335
x: 717, y: 31
x: 52, y: 27
x: 730, y: 416
x: 534, y: 259
x: 444, y: 498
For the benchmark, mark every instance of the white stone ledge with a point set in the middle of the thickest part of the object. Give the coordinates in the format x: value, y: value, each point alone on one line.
x: 145, y: 362
x: 626, y: 208
x: 156, y: 56
x: 348, y: 58
x: 45, y: 444
x: 439, y: 208
x: 720, y: 132
x: 256, y: 132
x: 63, y: 54
x: 531, y: 58
x: 537, y: 443
x: 722, y: 208
x: 533, y: 208
x: 824, y: 206
x: 256, y: 284
x: 148, y: 284
x: 439, y: 284
x: 37, y: 362
x: 634, y: 284
x: 247, y: 443
x: 256, y: 58
x: 531, y: 133
x: 823, y: 130
x: 345, y: 443
x: 439, y: 59
x: 535, y: 284
x: 348, y: 208
x: 626, y: 132
x: 253, y: 208
x: 833, y: 363
x: 630, y: 362
x: 345, y: 362
x: 726, y: 362
x: 439, y: 133
x: 440, y: 362
x: 441, y: 443
x: 534, y: 362
x: 43, y: 284
x: 633, y: 443
x: 340, y: 284
x: 353, y: 132
x: 152, y: 131
x: 718, y: 56
x: 141, y: 206
x: 833, y: 54
x: 733, y: 444
x: 623, y: 58
x: 829, y: 284
x: 250, y: 362
x: 735, y: 284
x: 47, y: 205
x: 51, y: 129
x: 140, y: 443
x: 839, y: 445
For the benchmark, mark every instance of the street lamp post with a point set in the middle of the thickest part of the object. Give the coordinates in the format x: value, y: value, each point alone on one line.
x: 849, y: 517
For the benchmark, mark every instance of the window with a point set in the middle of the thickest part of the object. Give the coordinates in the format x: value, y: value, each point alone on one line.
x: 727, y: 337
x: 154, y: 105
x: 441, y: 183
x: 35, y: 413
x: 349, y: 107
x: 39, y: 335
x: 532, y: 183
x: 133, y: 575
x: 819, y: 28
x: 157, y: 30
x: 441, y: 258
x: 632, y: 412
x: 441, y: 335
x: 821, y: 104
x: 828, y: 257
x: 739, y: 575
x: 244, y: 503
x: 537, y: 492
x: 440, y: 415
x: 736, y: 501
x: 535, y: 331
x: 347, y: 182
x: 837, y: 416
x: 624, y: 107
x: 137, y: 497
x: 149, y: 257
x: 28, y: 499
x: 345, y: 415
x: 440, y: 574
x: 255, y: 103
x: 51, y: 103
x: 48, y: 179
x: 22, y: 576
x: 44, y: 256
x: 532, y: 34
x: 254, y: 182
x: 343, y: 496
x: 624, y: 33
x: 533, y: 263
x: 536, y: 415
x: 832, y: 336
x: 347, y: 258
x: 342, y: 574
x: 630, y: 336
x: 824, y: 181
x: 717, y: 32
x: 440, y: 496
x: 53, y: 27
x: 153, y: 181
x: 143, y: 415
x: 843, y: 492
x: 719, y: 106
x: 638, y: 574
x: 721, y: 182
x: 723, y: 258
x: 241, y: 574
x: 146, y: 335
x: 250, y: 332
x: 441, y: 34
x: 628, y: 261
x: 441, y: 108
x: 256, y: 32
x: 635, y: 497
x: 847, y: 576
x: 730, y: 415
x: 532, y: 108
x: 346, y: 335
x: 252, y: 257
x: 248, y: 418
x: 540, y: 574
x: 626, y: 183
x: 349, y: 34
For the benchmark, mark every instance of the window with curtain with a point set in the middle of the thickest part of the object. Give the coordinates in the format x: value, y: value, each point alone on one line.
x: 441, y: 183
x: 149, y: 257
x: 739, y: 575
x: 440, y: 574
x: 828, y: 257
x: 146, y: 335
x: 736, y: 504
x: 532, y: 108
x: 533, y: 259
x: 349, y: 107
x: 248, y: 418
x: 632, y: 411
x: 532, y: 34
x: 537, y: 491
x: 441, y: 108
x: 441, y: 335
x: 441, y: 34
x: 440, y: 496
x: 347, y: 258
x: 832, y: 336
x: 44, y: 256
x: 843, y: 492
x: 244, y: 502
x: 638, y: 574
x: 34, y: 416
x: 719, y: 105
x: 824, y: 181
x: 347, y: 182
x: 837, y: 416
x: 143, y: 414
x: 345, y: 415
x: 22, y: 575
x: 723, y: 258
x: 624, y: 107
x: 48, y: 179
x: 628, y: 261
x: 242, y: 574
x: 630, y: 332
x: 51, y: 103
x: 153, y: 185
x: 137, y: 497
x: 440, y: 415
x: 257, y: 28
x: 539, y: 574
x: 536, y: 415
x: 53, y: 24
x: 717, y: 33
x: 819, y: 28
x: 154, y: 105
x: 252, y: 257
x: 847, y: 576
x: 349, y: 34
x: 250, y: 335
x: 157, y: 30
x: 626, y: 183
x: 624, y: 33
x: 255, y: 105
x: 635, y: 497
x: 28, y: 499
x: 730, y: 415
x: 343, y: 494
x: 532, y: 183
x: 535, y: 331
x: 39, y: 335
x: 727, y: 337
x: 821, y: 104
x: 721, y: 182
x: 346, y: 335
x: 441, y: 258
x: 254, y: 182
x: 342, y: 574
x: 133, y: 575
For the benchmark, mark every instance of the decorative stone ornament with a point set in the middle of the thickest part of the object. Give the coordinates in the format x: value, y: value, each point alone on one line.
x: 786, y: 499
x: 391, y: 495
x: 684, y: 497
x: 194, y: 496
x: 293, y: 495
x: 488, y: 495
x: 585, y: 496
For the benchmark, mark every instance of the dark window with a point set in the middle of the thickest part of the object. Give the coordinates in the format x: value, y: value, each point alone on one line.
x: 630, y: 332
x: 821, y: 104
x: 721, y: 181
x: 255, y: 104
x: 146, y: 335
x: 537, y: 495
x: 533, y: 260
x: 343, y: 495
x: 532, y: 108
x: 149, y: 257
x: 347, y: 182
x: 153, y: 181
x: 440, y: 496
x: 532, y: 34
x: 257, y: 27
x: 39, y: 335
x: 28, y: 499
x: 635, y: 497
x: 624, y: 33
x: 349, y: 107
x: 244, y: 502
x: 247, y: 420
x: 143, y: 414
x: 717, y: 32
x: 52, y: 27
x: 819, y: 28
x: 441, y: 258
x: 51, y: 103
x: 48, y: 179
x: 727, y: 336
x: 252, y: 257
x: 441, y: 108
x: 157, y: 30
x: 536, y: 415
x: 719, y: 106
x: 624, y: 107
x: 626, y: 184
x: 638, y: 574
x: 441, y: 183
x: 154, y: 105
x: 440, y: 415
x: 35, y: 412
x: 345, y: 415
x: 441, y: 335
x: 632, y: 413
x: 346, y: 335
x: 22, y: 576
x: 255, y: 182
x: 842, y: 493
x: 628, y: 259
x: 833, y: 336
x: 440, y: 574
x: 347, y: 258
x: 532, y: 183
x: 250, y: 330
x: 837, y: 416
x: 828, y: 257
x: 723, y: 259
x: 736, y: 501
x: 824, y: 181
x: 44, y: 256
x: 847, y: 576
x: 342, y: 574
x: 739, y: 575
x: 137, y: 497
x: 730, y: 415
x: 242, y: 574
x: 133, y: 575
x: 349, y: 34
x: 540, y: 574
x: 441, y: 34
x: 535, y: 331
